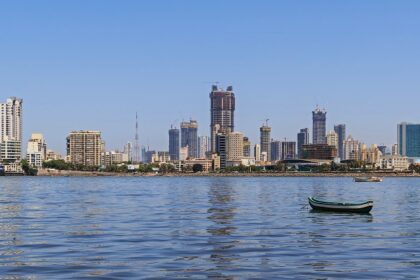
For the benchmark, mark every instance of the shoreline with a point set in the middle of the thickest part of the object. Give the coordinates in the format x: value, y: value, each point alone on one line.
x: 69, y: 173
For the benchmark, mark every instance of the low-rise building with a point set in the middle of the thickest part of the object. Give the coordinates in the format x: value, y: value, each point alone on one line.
x: 394, y: 162
x: 319, y: 151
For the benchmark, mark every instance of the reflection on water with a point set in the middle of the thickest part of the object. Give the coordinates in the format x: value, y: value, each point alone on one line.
x: 221, y: 213
x: 223, y: 228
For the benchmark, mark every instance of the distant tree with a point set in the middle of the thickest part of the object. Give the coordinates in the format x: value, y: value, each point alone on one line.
x: 28, y: 169
x: 197, y: 168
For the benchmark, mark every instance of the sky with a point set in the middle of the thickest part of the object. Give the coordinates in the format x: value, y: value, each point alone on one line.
x: 92, y: 65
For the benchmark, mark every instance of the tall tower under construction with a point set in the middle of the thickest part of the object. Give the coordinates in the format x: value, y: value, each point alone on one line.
x: 265, y: 140
x: 222, y: 109
x: 136, y: 157
x: 319, y: 119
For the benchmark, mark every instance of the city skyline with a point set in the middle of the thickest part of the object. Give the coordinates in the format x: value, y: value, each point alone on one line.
x: 161, y: 58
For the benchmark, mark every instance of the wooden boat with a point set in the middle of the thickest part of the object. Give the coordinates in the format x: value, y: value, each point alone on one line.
x: 370, y: 179
x: 363, y: 207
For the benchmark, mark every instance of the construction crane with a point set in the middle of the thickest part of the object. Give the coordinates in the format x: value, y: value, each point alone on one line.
x: 265, y: 122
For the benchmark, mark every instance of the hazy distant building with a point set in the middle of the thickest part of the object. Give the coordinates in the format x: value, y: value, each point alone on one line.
x: 257, y: 152
x: 383, y: 149
x: 128, y: 150
x: 11, y: 129
x: 189, y: 137
x: 247, y: 147
x: 235, y: 146
x: 409, y: 139
x: 174, y: 143
x: 395, y: 150
x: 332, y: 139
x: 319, y: 151
x: 84, y: 147
x: 221, y: 149
x: 222, y: 109
x: 265, y: 140
x: 264, y: 157
x: 163, y: 156
x: 36, y: 151
x: 319, y: 119
x: 276, y: 152
x: 302, y: 139
x: 183, y: 153
x: 204, y: 146
x: 351, y: 149
x: 340, y: 129
x: 288, y: 150
x: 151, y: 156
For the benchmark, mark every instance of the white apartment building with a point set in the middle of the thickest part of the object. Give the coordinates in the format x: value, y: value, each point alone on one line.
x: 332, y: 139
x: 11, y: 129
x: 395, y: 162
x: 36, y: 151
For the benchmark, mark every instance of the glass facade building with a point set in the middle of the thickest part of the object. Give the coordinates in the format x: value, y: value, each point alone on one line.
x: 409, y: 139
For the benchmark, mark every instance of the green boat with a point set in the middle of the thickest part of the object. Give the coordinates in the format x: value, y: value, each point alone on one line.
x: 363, y: 207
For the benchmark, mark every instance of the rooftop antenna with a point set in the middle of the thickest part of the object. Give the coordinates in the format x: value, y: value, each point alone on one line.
x: 136, y: 143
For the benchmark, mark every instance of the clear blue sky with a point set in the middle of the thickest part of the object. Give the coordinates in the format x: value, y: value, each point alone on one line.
x: 93, y: 64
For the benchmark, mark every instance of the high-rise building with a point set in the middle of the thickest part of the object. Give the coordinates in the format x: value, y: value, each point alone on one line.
x: 319, y: 119
x: 235, y: 146
x: 36, y: 151
x: 408, y: 139
x: 265, y: 140
x: 288, y: 150
x: 351, y: 149
x: 174, y: 143
x: 11, y: 129
x: 189, y: 137
x: 247, y: 147
x: 395, y: 150
x: 257, y: 152
x: 302, y: 139
x: 84, y: 147
x: 128, y: 151
x: 204, y: 146
x: 222, y: 109
x: 276, y: 150
x: 340, y: 129
x: 332, y: 138
x: 221, y: 149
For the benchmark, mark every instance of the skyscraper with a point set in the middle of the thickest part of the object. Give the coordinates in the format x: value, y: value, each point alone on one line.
x: 302, y: 139
x: 174, y: 143
x: 189, y: 137
x: 332, y: 139
x: 351, y: 149
x: 408, y: 139
x: 275, y: 150
x: 340, y: 129
x: 319, y: 119
x: 11, y: 129
x: 221, y: 149
x: 288, y: 150
x: 222, y: 109
x: 257, y: 152
x: 265, y: 140
x: 204, y: 146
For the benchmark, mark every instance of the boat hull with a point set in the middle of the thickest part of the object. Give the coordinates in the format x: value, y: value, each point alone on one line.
x: 361, y: 208
x: 367, y: 180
